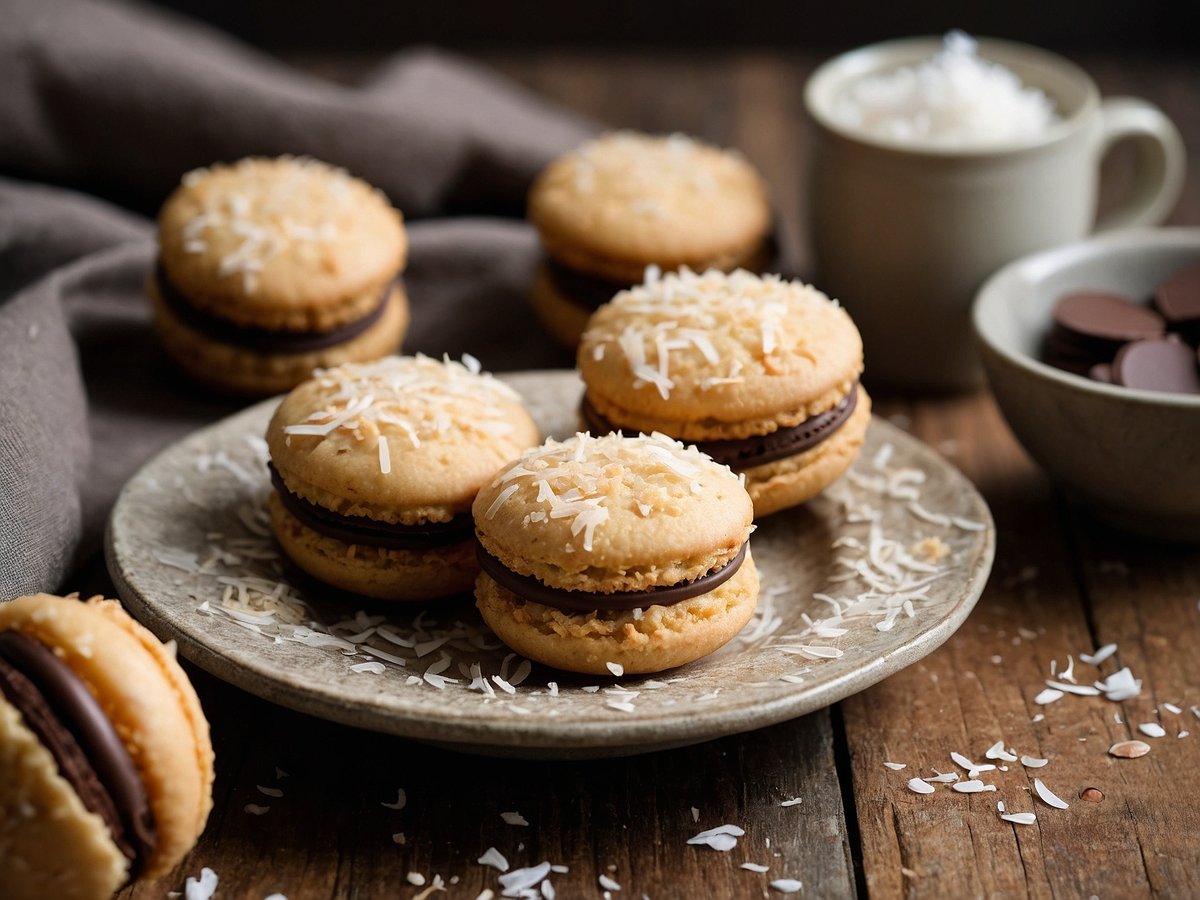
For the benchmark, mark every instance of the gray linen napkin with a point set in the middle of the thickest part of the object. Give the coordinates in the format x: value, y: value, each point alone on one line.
x: 118, y: 101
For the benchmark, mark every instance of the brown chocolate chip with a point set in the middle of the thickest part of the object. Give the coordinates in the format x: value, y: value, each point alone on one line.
x: 1107, y: 317
x: 1091, y: 795
x: 1164, y: 364
x: 1178, y: 298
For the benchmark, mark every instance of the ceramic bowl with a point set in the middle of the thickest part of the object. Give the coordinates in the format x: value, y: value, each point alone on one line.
x: 1131, y: 456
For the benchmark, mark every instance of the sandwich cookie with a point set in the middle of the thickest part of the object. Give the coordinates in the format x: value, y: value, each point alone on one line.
x: 625, y: 201
x: 630, y: 551
x: 375, y: 467
x: 271, y: 268
x: 760, y: 373
x: 106, y: 766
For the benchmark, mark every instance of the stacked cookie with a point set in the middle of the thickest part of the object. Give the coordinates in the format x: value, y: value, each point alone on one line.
x: 760, y: 373
x: 105, y: 753
x: 376, y: 465
x: 271, y: 268
x: 615, y: 555
x: 626, y: 201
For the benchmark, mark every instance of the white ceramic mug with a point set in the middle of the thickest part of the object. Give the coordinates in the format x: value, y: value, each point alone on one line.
x: 904, y: 234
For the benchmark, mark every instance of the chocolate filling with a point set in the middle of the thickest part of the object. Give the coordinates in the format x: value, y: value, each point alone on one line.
x: 527, y: 587
x: 589, y: 291
x: 362, y: 530
x: 263, y: 340
x: 57, y: 707
x: 746, y: 453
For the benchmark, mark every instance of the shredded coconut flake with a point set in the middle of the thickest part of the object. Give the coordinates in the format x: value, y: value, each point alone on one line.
x: 722, y: 838
x: 787, y: 885
x: 1048, y: 796
x: 201, y: 888
x: 1019, y: 818
x: 494, y: 858
x: 920, y: 786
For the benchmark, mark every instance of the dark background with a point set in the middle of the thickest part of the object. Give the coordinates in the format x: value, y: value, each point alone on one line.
x: 379, y: 25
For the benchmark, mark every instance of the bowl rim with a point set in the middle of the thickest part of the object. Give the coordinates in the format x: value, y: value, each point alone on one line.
x: 1054, y: 259
x: 864, y: 60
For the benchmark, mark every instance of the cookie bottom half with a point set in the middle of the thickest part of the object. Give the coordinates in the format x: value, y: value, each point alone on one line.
x: 50, y: 844
x: 565, y: 318
x: 795, y: 479
x: 379, y: 572
x: 240, y: 370
x: 661, y: 638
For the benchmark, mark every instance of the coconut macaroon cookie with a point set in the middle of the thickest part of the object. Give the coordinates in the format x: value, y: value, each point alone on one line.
x: 271, y: 268
x: 615, y: 554
x: 760, y: 373
x: 106, y: 766
x: 375, y: 467
x: 625, y: 201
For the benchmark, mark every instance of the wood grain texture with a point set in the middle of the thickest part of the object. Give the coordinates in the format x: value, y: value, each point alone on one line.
x: 1061, y: 585
x: 330, y: 836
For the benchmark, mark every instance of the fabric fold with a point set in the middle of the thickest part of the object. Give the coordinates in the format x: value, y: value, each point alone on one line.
x: 117, y: 101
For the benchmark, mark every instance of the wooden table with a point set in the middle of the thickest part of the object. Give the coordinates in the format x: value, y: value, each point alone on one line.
x: 1061, y: 585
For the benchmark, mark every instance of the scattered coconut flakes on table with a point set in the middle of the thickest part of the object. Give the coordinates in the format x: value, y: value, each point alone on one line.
x: 722, y: 838
x: 795, y: 801
x: 1094, y: 659
x: 1152, y: 729
x: 1048, y: 796
x: 201, y: 888
x: 997, y: 751
x: 755, y: 867
x: 520, y: 879
x: 1032, y: 762
x: 786, y: 885
x: 920, y: 786
x: 401, y: 800
x: 607, y: 883
x: 513, y: 818
x: 974, y: 786
x: 1019, y: 818
x: 895, y: 766
x: 1048, y: 696
x: 255, y: 810
x: 494, y: 858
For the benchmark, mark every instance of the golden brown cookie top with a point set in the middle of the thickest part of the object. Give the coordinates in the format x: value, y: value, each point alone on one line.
x: 613, y: 513
x: 718, y: 348
x: 406, y: 439
x: 291, y: 236
x: 627, y: 200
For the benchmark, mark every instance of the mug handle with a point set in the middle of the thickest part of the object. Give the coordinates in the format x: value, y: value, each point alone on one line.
x: 1158, y: 178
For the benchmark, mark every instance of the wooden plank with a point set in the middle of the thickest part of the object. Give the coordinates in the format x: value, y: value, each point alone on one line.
x: 330, y: 836
x: 979, y: 688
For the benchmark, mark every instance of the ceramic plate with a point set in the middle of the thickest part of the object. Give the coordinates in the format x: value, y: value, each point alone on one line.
x: 862, y: 581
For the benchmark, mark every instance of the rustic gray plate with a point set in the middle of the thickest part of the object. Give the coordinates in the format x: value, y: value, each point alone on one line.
x: 849, y: 596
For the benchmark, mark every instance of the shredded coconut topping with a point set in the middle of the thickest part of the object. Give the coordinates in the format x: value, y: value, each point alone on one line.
x: 278, y: 207
x: 420, y: 397
x: 714, y: 328
x: 580, y: 478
